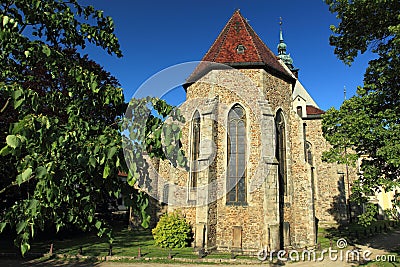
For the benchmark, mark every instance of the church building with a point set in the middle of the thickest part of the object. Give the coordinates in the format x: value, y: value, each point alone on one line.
x: 254, y: 142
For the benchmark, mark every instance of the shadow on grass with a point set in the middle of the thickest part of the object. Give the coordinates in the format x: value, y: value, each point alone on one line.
x: 126, y: 243
x: 383, y: 235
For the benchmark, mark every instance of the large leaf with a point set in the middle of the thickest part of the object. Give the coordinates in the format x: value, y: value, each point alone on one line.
x: 18, y: 98
x: 5, y: 20
x: 2, y: 226
x: 25, y: 247
x: 13, y: 141
x: 33, y: 203
x: 46, y: 50
x: 21, y: 226
x: 111, y: 152
x: 5, y: 151
x: 40, y: 171
x: 98, y: 224
x: 92, y: 162
x: 106, y: 171
x: 26, y: 174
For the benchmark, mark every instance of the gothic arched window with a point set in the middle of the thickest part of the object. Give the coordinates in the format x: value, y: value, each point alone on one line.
x: 236, y: 176
x: 195, y: 149
x: 281, y: 151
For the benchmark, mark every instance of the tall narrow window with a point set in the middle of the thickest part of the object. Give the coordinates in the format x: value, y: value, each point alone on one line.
x: 236, y: 178
x: 281, y: 151
x: 195, y: 149
x: 305, y: 140
x: 309, y: 158
x: 165, y: 196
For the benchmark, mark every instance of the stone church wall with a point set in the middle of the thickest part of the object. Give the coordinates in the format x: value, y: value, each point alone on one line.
x: 222, y: 218
x: 298, y: 204
x: 312, y: 189
x: 302, y: 195
x: 247, y: 218
x: 331, y: 184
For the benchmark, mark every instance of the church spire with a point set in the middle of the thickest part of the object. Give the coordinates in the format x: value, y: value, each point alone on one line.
x: 281, y: 45
x: 282, y: 49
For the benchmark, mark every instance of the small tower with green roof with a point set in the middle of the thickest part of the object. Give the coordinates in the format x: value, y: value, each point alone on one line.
x: 286, y: 58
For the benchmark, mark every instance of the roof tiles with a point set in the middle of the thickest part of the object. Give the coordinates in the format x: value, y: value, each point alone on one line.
x: 311, y: 110
x: 238, y: 32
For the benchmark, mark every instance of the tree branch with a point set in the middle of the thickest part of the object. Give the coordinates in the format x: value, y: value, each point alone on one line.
x: 8, y: 186
x: 5, y: 105
x: 6, y: 6
x: 15, y: 183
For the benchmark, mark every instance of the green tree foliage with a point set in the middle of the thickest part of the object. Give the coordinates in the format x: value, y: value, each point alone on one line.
x: 368, y: 216
x: 172, y: 231
x: 61, y: 118
x: 368, y: 124
x: 150, y: 127
x: 60, y: 141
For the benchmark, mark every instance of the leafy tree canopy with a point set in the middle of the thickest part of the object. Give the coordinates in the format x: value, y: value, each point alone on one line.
x: 368, y: 124
x: 60, y: 138
x: 61, y: 117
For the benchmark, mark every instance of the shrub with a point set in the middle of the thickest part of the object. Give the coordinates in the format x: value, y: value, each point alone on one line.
x: 368, y: 216
x: 172, y: 231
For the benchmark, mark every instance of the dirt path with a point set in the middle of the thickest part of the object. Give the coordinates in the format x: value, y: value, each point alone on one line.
x: 385, y: 241
x: 383, y: 246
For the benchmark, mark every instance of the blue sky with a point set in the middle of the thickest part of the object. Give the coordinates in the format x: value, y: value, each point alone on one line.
x: 155, y: 35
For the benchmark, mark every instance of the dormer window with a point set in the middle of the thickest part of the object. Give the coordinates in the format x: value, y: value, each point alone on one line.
x: 240, y: 49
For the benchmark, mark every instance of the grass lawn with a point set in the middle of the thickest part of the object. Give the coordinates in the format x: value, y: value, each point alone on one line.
x: 127, y: 243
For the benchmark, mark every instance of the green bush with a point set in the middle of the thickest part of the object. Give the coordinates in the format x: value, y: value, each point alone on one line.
x: 172, y: 231
x: 368, y: 216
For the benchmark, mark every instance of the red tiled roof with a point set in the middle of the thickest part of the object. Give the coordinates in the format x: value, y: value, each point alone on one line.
x: 311, y: 110
x: 238, y: 32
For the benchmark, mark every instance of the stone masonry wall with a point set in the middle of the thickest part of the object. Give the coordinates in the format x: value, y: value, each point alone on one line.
x: 298, y: 206
x: 258, y: 219
x: 303, y: 213
x: 330, y: 191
